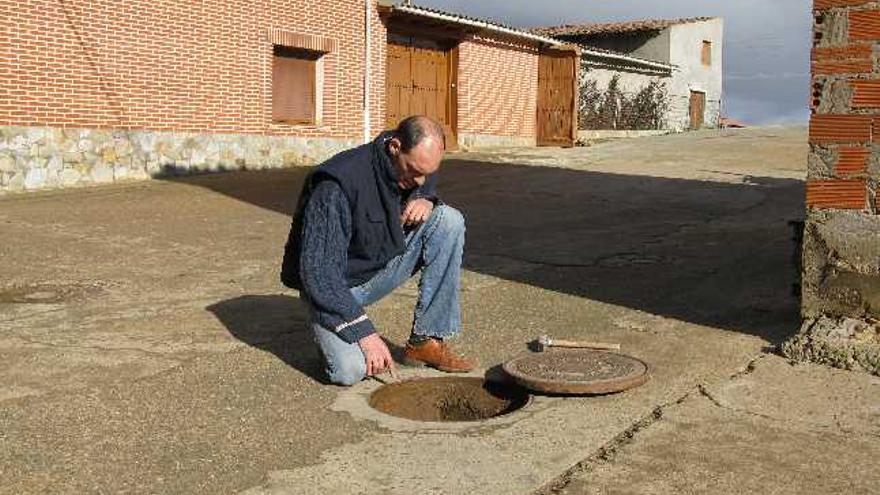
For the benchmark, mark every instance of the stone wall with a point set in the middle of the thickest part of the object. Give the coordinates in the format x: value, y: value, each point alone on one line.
x: 34, y: 158
x: 841, y: 250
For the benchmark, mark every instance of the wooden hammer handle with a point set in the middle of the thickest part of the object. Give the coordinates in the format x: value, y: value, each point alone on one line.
x: 584, y: 345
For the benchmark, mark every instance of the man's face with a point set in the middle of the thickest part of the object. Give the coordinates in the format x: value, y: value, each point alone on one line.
x: 414, y: 167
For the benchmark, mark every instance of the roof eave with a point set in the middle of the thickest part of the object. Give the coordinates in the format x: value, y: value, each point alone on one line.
x: 472, y: 25
x: 625, y: 27
x: 662, y: 66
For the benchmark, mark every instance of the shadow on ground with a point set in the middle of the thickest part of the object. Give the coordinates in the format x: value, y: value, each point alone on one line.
x: 272, y: 323
x: 716, y: 254
x: 277, y: 324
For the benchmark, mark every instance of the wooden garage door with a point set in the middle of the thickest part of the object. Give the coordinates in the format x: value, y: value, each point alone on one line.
x: 557, y: 92
x: 420, y: 80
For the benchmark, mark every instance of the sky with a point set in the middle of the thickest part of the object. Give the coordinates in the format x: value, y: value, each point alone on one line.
x: 766, y: 42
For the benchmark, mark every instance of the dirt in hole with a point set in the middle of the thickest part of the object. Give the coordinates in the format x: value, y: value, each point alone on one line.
x: 448, y: 399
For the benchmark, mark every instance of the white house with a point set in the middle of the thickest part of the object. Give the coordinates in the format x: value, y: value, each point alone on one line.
x: 681, y: 57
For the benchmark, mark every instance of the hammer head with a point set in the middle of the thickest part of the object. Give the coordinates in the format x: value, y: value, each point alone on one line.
x: 539, y: 344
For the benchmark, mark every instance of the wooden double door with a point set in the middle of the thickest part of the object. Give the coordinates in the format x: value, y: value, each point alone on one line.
x: 420, y: 79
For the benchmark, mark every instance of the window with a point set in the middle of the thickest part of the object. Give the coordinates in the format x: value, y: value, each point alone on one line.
x: 296, y: 84
x: 707, y: 53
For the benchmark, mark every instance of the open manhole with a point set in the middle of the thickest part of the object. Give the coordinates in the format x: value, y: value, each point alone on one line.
x: 448, y: 399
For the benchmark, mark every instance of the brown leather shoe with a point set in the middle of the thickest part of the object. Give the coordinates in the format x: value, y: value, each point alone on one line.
x: 436, y: 354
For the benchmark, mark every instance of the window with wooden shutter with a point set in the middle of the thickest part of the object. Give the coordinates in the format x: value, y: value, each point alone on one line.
x: 707, y: 53
x: 295, y: 88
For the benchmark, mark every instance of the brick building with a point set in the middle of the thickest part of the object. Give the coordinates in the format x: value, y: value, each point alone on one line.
x: 98, y: 91
x: 841, y: 273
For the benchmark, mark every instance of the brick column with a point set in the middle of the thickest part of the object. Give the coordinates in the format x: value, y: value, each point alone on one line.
x: 841, y: 271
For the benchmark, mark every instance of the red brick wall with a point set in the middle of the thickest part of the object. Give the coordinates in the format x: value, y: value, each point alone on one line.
x: 845, y: 125
x: 498, y: 88
x: 187, y: 65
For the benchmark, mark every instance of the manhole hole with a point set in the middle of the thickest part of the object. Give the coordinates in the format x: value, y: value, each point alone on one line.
x: 578, y: 372
x: 448, y: 399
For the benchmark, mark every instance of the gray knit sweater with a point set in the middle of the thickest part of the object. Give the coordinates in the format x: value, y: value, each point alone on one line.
x: 326, y: 235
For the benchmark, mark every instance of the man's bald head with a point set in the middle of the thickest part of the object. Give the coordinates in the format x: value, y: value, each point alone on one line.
x: 411, y: 131
x: 416, y: 149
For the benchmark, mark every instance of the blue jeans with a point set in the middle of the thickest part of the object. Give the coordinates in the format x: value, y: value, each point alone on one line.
x: 434, y: 248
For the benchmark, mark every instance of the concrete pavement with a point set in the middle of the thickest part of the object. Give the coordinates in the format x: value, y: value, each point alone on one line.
x: 146, y: 345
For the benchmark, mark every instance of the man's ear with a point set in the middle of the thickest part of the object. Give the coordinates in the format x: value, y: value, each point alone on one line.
x: 394, y: 146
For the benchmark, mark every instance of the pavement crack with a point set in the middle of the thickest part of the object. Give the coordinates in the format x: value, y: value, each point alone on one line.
x: 608, y: 451
x: 704, y: 391
x: 838, y: 427
x: 749, y: 367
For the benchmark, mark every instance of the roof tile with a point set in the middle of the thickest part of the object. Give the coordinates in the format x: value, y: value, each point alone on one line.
x: 616, y: 27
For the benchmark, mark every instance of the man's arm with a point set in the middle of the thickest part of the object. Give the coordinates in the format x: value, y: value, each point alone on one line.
x: 326, y: 235
x: 421, y: 202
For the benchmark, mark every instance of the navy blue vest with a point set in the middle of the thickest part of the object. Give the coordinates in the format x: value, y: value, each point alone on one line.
x: 367, y: 178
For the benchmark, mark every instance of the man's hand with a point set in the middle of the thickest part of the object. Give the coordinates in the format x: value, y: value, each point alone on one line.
x: 376, y: 354
x: 416, y: 212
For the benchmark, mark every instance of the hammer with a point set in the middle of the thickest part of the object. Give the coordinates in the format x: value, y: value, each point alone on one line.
x: 545, y: 342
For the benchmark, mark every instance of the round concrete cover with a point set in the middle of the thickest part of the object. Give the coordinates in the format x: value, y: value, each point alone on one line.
x: 577, y: 372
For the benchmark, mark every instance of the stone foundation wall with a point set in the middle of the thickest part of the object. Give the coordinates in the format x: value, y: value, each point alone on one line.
x: 841, y: 249
x: 34, y: 158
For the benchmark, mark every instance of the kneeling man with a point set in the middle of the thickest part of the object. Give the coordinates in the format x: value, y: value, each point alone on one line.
x: 367, y: 220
